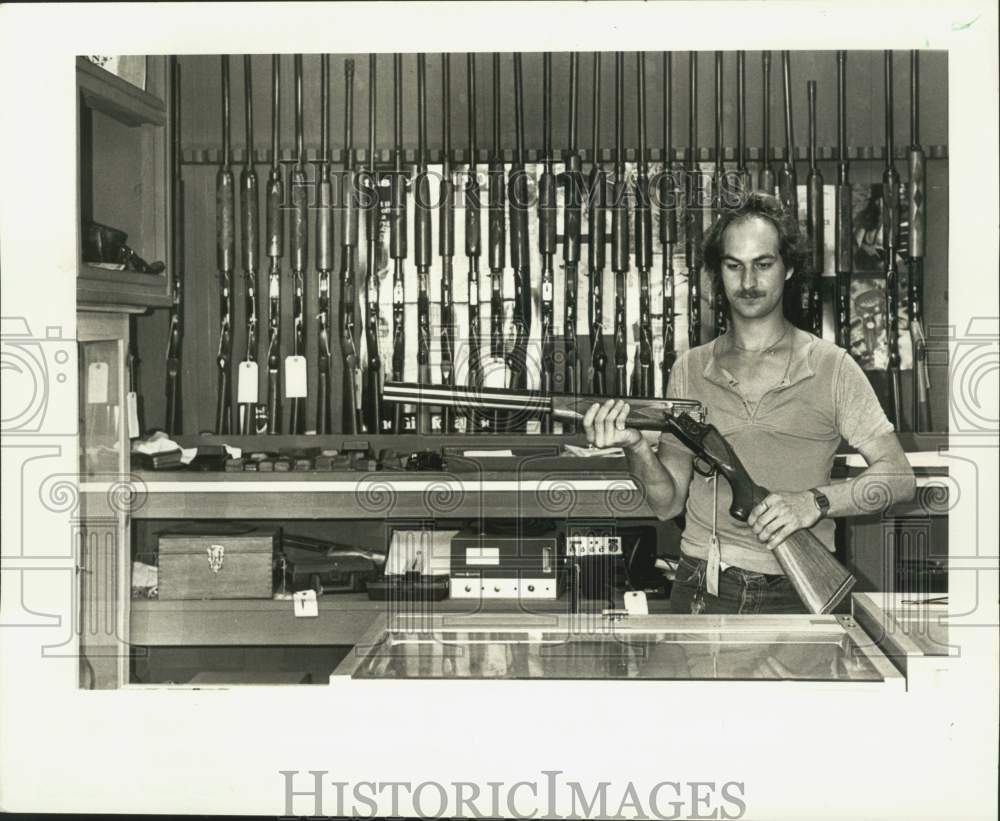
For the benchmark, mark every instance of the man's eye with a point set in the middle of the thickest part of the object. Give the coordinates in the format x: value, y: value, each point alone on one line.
x: 763, y: 266
x: 732, y: 266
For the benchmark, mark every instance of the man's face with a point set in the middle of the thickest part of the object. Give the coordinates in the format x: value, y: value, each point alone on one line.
x: 753, y: 273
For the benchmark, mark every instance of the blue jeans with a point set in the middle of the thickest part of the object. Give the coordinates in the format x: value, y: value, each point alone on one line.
x: 740, y: 591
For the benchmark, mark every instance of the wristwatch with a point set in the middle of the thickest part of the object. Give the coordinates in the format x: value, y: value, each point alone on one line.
x: 822, y: 503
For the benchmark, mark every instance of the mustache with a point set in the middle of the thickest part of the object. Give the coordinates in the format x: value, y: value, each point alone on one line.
x: 750, y: 293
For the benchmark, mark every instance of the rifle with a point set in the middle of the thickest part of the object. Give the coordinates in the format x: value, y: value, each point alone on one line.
x: 397, y: 241
x: 765, y: 177
x: 820, y: 581
x: 176, y: 325
x: 619, y: 230
x: 918, y: 231
x: 547, y: 235
x: 248, y: 386
x: 422, y: 239
x: 844, y: 251
x: 890, y: 242
x: 693, y: 215
x: 720, y: 194
x: 446, y: 245
x: 473, y: 239
x: 787, y: 182
x: 745, y: 184
x: 275, y: 240
x: 300, y: 253
x: 324, y: 257
x: 597, y: 231
x: 520, y: 249
x: 134, y: 396
x: 643, y: 246
x: 372, y: 403
x: 225, y: 232
x: 349, y: 261
x: 812, y: 300
x: 572, y: 210
x: 497, y: 240
x: 668, y: 220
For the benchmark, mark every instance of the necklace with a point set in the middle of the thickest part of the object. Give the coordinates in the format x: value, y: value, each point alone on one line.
x: 769, y: 350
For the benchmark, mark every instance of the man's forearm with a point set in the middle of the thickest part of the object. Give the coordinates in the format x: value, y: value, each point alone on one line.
x: 878, y: 487
x: 655, y: 480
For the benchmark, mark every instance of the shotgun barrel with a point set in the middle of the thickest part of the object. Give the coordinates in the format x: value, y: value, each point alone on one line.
x: 275, y: 250
x: 597, y: 231
x: 844, y: 250
x: 372, y: 403
x: 225, y: 231
x: 619, y: 232
x: 324, y: 258
x: 918, y: 232
x: 721, y: 196
x: 890, y: 244
x: 572, y: 213
x: 175, y: 330
x: 668, y: 222
x: 765, y: 176
x: 299, y: 241
x: 349, y: 206
x: 788, y: 191
x: 694, y: 223
x: 812, y: 295
x: 643, y: 244
x: 397, y: 245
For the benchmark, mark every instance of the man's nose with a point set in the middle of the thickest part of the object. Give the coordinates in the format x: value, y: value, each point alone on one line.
x: 749, y: 278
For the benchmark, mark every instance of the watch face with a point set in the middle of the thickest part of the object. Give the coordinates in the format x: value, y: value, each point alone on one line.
x: 822, y: 503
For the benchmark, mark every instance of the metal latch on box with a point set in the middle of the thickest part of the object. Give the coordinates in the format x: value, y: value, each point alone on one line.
x: 216, y: 556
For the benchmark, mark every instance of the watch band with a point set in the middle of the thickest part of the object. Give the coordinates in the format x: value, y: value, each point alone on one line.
x: 822, y: 502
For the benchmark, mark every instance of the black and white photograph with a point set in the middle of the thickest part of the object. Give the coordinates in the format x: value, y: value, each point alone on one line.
x: 559, y: 410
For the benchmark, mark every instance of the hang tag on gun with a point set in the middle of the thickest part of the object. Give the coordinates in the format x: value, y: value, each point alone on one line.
x: 97, y: 383
x: 246, y: 384
x: 304, y: 604
x: 295, y: 377
x: 132, y: 414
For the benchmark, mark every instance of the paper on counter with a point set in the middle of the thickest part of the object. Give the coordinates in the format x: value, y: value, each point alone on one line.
x: 576, y: 450
x: 483, y: 454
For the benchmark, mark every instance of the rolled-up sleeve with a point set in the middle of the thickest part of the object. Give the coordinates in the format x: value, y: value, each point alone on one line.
x: 860, y: 417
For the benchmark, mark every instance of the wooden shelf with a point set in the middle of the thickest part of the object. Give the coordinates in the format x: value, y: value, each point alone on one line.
x: 96, y: 287
x: 118, y: 98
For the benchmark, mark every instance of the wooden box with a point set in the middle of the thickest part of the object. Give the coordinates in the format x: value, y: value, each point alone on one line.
x: 217, y: 566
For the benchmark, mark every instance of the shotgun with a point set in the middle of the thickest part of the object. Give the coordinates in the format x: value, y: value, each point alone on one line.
x: 497, y: 214
x: 446, y: 248
x: 844, y: 251
x: 643, y: 245
x: 572, y: 212
x: 597, y: 231
x: 743, y: 173
x: 324, y: 258
x: 473, y: 244
x: 820, y: 581
x: 765, y: 176
x: 247, y: 386
x: 225, y: 233
x: 918, y: 233
x: 422, y: 241
x: 547, y: 237
x: 788, y: 191
x: 398, y: 249
x: 299, y: 241
x: 720, y: 194
x: 275, y: 250
x: 619, y: 231
x: 372, y: 402
x: 175, y: 330
x: 812, y: 295
x: 668, y: 220
x: 348, y: 262
x: 890, y: 244
x: 520, y: 242
x: 694, y: 220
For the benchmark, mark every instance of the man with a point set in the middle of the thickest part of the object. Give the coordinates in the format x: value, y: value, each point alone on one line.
x: 784, y: 399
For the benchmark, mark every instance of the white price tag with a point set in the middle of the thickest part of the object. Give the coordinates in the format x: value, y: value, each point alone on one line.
x: 305, y: 605
x: 247, y: 384
x: 97, y: 383
x: 635, y: 603
x: 132, y: 403
x: 295, y: 377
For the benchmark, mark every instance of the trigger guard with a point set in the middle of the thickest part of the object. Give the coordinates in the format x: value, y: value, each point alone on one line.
x: 702, y: 468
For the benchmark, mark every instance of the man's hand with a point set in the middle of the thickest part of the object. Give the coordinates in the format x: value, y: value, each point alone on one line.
x: 781, y: 514
x: 604, y: 425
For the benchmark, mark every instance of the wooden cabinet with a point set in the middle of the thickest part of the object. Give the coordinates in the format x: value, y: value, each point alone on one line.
x: 124, y: 172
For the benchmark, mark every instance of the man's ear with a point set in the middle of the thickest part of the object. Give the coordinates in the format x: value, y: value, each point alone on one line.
x: 789, y: 274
